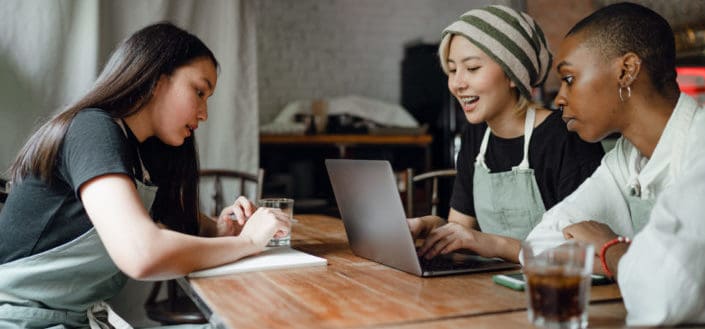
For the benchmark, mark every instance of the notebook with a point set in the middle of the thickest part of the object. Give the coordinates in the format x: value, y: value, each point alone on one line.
x: 375, y: 222
x: 271, y: 259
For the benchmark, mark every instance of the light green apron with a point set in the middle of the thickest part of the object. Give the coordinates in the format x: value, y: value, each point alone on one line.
x: 507, y: 203
x: 640, y: 205
x: 65, y: 287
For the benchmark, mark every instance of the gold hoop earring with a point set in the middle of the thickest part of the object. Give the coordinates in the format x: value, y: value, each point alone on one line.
x: 629, y: 93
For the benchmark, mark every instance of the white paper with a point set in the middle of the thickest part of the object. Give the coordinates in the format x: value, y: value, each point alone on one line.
x: 270, y: 259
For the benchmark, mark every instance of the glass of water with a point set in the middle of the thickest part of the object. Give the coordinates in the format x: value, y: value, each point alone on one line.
x: 287, y: 206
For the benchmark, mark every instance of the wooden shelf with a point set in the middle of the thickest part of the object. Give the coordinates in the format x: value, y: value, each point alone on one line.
x: 350, y: 139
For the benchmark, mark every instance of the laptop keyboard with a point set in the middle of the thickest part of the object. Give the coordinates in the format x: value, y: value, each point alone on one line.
x: 441, y: 263
x: 436, y: 264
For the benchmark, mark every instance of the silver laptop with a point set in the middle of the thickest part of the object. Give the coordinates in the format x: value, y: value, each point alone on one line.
x: 375, y: 222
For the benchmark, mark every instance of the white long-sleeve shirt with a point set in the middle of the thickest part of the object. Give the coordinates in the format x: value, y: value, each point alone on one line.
x: 603, y: 196
x: 662, y: 275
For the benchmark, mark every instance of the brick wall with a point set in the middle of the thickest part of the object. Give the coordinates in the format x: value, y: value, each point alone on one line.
x: 557, y: 17
x: 326, y: 48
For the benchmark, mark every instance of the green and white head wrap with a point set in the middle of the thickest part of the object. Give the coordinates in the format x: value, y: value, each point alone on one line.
x: 510, y: 38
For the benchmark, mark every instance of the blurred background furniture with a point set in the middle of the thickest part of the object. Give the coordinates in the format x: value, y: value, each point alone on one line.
x: 221, y: 186
x: 224, y: 185
x: 295, y: 163
x: 341, y: 142
x: 435, y: 199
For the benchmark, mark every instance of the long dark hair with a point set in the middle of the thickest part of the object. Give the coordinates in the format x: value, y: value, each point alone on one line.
x: 124, y: 86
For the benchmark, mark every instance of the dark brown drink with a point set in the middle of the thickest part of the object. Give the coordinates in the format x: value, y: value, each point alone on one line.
x: 557, y: 297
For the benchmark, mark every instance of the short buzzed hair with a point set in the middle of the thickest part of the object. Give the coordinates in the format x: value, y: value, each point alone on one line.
x: 628, y: 27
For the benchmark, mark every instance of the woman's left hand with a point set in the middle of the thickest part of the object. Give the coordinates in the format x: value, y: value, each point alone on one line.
x: 590, y: 231
x: 225, y: 226
x: 233, y: 218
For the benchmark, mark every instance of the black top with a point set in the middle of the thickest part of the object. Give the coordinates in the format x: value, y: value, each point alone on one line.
x: 560, y: 159
x: 39, y: 216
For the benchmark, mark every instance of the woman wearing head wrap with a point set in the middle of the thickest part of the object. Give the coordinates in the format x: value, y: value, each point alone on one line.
x: 618, y: 71
x: 517, y: 159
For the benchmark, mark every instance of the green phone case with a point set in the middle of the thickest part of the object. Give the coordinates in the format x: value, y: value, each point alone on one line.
x: 508, y: 281
x: 516, y: 281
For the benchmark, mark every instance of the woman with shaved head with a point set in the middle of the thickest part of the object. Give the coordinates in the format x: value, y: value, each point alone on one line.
x: 617, y: 68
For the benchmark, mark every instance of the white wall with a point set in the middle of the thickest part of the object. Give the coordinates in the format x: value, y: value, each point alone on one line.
x: 326, y: 48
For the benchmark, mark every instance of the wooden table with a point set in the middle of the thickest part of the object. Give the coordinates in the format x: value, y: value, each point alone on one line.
x: 603, y: 314
x: 353, y: 292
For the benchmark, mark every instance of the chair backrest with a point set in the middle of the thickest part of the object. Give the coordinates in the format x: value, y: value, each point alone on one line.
x: 3, y: 197
x: 217, y: 187
x: 223, y: 185
x: 4, y: 191
x: 413, y: 180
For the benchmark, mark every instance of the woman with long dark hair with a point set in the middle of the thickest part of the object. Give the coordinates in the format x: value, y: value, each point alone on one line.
x: 108, y: 188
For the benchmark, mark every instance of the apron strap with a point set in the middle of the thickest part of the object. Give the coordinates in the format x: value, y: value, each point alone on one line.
x: 102, y: 316
x: 480, y: 159
x: 145, y: 174
x: 528, y: 130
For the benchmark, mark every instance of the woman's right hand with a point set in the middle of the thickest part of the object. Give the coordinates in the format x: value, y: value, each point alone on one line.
x: 264, y: 224
x: 446, y: 239
x: 454, y: 236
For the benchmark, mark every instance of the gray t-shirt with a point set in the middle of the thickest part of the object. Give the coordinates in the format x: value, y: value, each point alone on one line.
x: 39, y: 216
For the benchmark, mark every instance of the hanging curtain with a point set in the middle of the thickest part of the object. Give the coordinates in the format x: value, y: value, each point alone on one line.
x: 52, y: 51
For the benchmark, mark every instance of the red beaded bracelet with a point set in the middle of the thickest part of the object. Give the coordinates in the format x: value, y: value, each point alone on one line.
x: 603, y: 250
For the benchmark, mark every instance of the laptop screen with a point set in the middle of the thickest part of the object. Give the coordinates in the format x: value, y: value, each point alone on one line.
x: 374, y: 219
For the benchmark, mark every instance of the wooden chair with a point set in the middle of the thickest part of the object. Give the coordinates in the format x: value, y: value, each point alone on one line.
x: 177, y: 308
x: 241, y: 180
x: 411, y: 180
x: 4, y: 191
